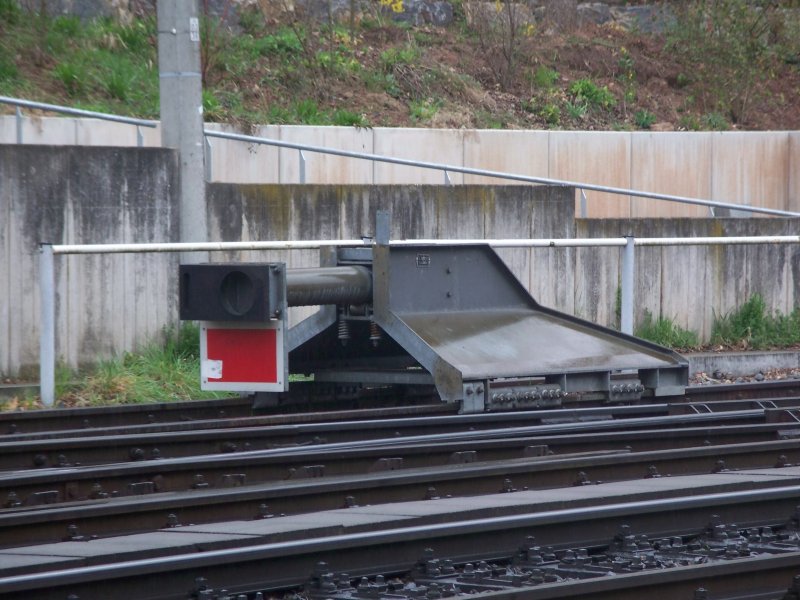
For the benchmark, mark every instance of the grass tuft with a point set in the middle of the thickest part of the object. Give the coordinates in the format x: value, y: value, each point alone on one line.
x: 666, y: 332
x: 752, y: 326
x: 163, y: 371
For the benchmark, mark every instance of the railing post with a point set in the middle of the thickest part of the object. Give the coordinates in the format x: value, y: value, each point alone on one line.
x: 302, y: 166
x: 139, y: 137
x: 207, y: 160
x: 47, y: 326
x: 447, y: 180
x: 19, y: 125
x: 626, y: 309
x: 583, y: 203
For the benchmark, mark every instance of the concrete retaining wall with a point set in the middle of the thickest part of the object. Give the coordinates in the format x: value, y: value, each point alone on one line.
x: 689, y: 284
x: 757, y: 168
x: 84, y: 195
x: 112, y: 303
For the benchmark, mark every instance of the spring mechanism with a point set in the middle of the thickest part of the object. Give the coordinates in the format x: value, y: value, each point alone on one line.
x: 374, y: 333
x: 344, y: 330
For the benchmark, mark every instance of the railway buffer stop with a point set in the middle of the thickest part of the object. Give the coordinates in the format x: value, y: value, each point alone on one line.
x: 410, y: 319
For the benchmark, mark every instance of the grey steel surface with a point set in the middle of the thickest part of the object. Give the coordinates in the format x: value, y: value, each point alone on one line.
x: 463, y: 315
x: 328, y: 285
x: 520, y: 343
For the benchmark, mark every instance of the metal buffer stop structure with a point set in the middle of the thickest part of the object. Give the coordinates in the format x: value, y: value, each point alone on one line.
x: 403, y: 320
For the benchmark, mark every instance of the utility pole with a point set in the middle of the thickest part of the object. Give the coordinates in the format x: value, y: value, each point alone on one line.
x: 181, y: 91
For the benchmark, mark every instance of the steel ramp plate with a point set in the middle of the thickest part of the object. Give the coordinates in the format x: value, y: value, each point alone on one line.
x: 520, y: 342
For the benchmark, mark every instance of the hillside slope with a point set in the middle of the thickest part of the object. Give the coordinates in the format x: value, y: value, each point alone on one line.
x: 716, y: 65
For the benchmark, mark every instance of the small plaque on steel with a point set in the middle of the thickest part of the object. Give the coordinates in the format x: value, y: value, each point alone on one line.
x: 423, y: 261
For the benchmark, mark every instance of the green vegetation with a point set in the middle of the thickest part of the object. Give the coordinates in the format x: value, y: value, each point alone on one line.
x: 750, y: 327
x: 753, y: 326
x: 544, y: 77
x: 163, y: 371
x: 733, y: 48
x: 587, y: 93
x: 666, y: 332
x: 718, y: 61
x: 169, y: 369
x: 644, y: 119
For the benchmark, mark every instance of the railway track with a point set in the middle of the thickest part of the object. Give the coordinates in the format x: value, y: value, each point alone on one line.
x: 670, y: 498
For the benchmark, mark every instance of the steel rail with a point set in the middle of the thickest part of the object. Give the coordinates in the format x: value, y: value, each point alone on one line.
x: 56, y: 485
x: 144, y: 419
x: 91, y: 420
x: 283, y: 564
x: 297, y: 424
x: 29, y: 525
x: 96, y: 448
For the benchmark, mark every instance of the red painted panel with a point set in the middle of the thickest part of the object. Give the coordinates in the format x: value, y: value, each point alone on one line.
x: 246, y: 354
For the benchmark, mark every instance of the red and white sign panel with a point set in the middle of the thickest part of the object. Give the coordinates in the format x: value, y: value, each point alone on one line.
x: 242, y: 357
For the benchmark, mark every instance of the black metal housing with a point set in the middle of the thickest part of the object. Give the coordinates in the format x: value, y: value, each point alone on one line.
x: 227, y: 292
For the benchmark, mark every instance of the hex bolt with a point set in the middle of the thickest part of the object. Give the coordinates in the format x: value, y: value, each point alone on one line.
x: 434, y: 592
x: 350, y: 502
x: 320, y: 568
x: 700, y: 594
x: 263, y: 512
x: 172, y: 520
x: 719, y: 466
x: 432, y: 494
x: 136, y: 454
x: 447, y: 567
x: 782, y: 462
x: 228, y: 447
x: 327, y: 584
x: 155, y: 454
x: 652, y: 472
x: 199, y: 482
x: 344, y: 581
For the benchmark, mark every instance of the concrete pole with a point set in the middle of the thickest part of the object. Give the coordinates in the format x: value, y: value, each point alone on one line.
x: 181, y: 90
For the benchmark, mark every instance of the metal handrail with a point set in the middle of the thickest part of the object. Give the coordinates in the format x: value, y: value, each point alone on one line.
x: 447, y: 169
x: 47, y: 252
x: 497, y: 174
x: 19, y: 103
